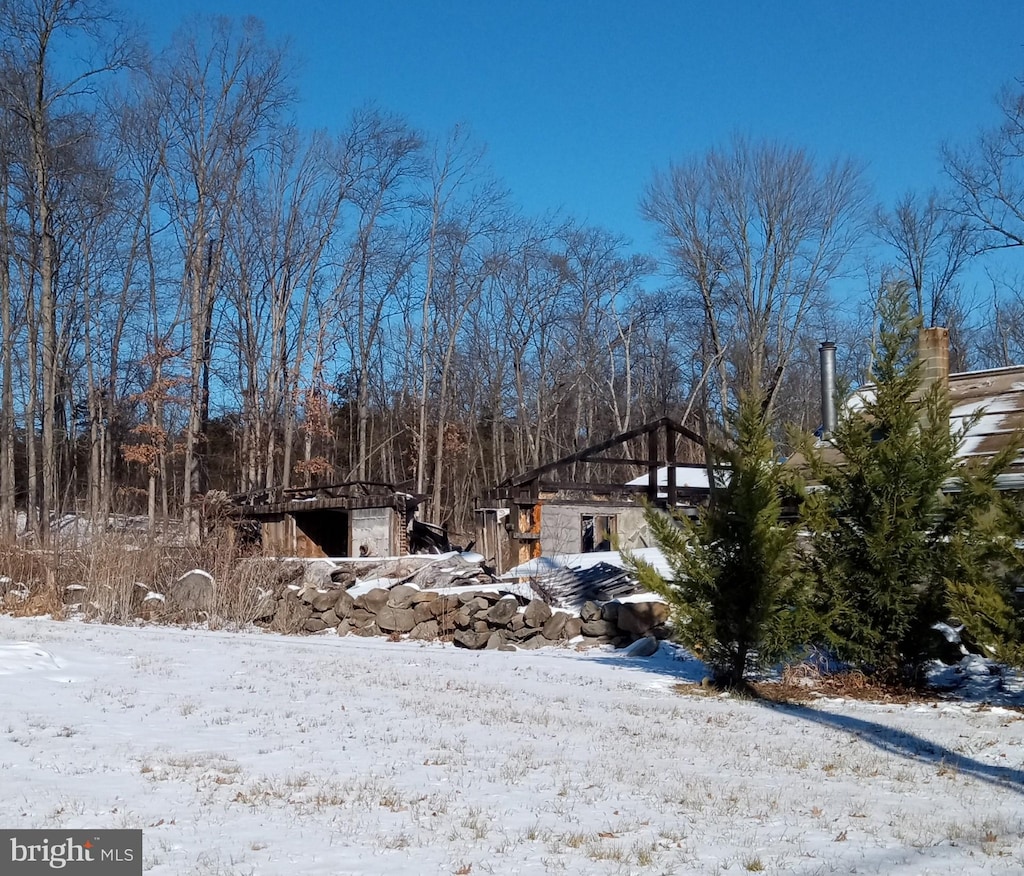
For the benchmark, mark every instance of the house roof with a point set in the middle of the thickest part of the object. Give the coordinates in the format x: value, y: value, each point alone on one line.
x: 996, y: 397
x: 990, y: 404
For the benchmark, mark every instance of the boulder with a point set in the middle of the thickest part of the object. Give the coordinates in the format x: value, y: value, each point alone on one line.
x: 344, y: 604
x: 555, y: 626
x: 645, y: 647
x: 610, y: 611
x: 661, y: 631
x: 503, y: 610
x: 600, y: 628
x: 345, y: 627
x: 943, y: 642
x: 425, y: 631
x: 360, y: 617
x: 317, y: 574
x: 537, y: 613
x: 192, y: 594
x: 573, y: 628
x: 533, y: 642
x: 471, y: 639
x: 591, y: 611
x: 462, y: 618
x: 401, y: 596
x: 330, y: 618
x: 639, y: 618
x: 477, y: 606
x: 291, y: 614
x: 322, y: 600
x: 495, y: 641
x: 481, y: 626
x: 373, y: 600
x: 448, y: 604
x: 344, y: 578
x: 421, y: 597
x: 468, y: 596
x: 423, y: 612
x: 314, y: 625
x: 396, y: 620
x: 369, y: 630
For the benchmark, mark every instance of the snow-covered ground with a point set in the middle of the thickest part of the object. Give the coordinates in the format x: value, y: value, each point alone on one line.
x: 242, y: 753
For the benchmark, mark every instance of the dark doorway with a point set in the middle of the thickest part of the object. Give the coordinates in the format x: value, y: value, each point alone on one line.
x: 328, y: 529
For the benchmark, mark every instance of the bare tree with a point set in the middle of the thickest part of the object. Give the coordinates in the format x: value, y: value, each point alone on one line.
x: 988, y: 197
x: 988, y: 176
x: 141, y: 147
x: 756, y: 232
x: 932, y: 246
x: 454, y: 167
x: 596, y: 329
x: 1001, y: 337
x: 285, y: 221
x: 386, y: 161
x: 44, y: 96
x: 8, y: 482
x: 529, y: 298
x: 222, y: 89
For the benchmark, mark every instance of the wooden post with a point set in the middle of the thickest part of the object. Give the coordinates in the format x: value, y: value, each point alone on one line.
x: 652, y: 466
x: 670, y: 458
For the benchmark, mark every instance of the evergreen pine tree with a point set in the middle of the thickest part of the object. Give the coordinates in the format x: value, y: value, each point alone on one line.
x: 903, y: 534
x: 735, y: 599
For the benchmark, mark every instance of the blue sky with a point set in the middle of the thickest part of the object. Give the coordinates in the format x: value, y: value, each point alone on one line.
x: 580, y: 102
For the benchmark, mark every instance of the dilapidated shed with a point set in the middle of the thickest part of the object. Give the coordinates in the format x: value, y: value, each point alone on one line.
x: 560, y: 508
x: 351, y: 519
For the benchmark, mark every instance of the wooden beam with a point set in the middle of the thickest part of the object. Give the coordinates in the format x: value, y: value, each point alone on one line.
x: 652, y: 465
x: 616, y: 460
x: 670, y: 457
x: 622, y: 438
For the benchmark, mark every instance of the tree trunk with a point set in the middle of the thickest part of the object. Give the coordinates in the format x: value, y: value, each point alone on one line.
x: 8, y: 485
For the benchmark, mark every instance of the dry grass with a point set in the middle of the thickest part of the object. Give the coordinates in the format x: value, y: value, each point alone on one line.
x: 108, y: 578
x: 804, y: 684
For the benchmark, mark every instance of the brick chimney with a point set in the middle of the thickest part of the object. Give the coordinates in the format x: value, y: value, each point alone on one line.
x: 933, y: 351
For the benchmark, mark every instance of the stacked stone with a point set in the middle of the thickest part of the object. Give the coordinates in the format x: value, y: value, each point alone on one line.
x: 473, y: 619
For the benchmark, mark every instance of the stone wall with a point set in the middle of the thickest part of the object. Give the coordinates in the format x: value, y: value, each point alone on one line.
x: 453, y: 601
x: 469, y: 618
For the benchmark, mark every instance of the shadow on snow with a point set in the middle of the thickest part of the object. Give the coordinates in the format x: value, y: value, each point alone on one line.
x: 678, y: 664
x: 908, y: 745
